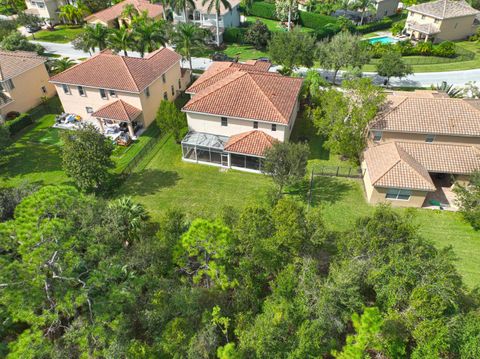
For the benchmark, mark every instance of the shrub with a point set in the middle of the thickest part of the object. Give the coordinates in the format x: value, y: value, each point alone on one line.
x: 398, y: 27
x: 385, y: 23
x: 12, y: 115
x: 445, y: 49
x: 258, y: 35
x: 263, y: 9
x: 234, y: 34
x: 19, y: 123
x: 327, y: 31
x: 315, y: 21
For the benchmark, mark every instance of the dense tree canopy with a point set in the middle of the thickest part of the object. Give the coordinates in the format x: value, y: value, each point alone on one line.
x: 82, y: 277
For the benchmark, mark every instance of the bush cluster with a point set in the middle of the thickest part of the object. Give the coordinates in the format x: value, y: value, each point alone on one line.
x: 407, y: 48
x: 19, y: 123
x: 263, y: 9
x: 315, y: 21
x: 234, y: 34
x: 383, y: 24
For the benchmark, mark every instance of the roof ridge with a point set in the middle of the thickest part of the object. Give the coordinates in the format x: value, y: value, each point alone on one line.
x: 268, y: 99
x: 394, y: 163
x: 130, y: 73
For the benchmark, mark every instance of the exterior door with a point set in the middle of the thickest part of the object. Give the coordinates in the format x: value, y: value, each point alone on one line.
x: 224, y: 160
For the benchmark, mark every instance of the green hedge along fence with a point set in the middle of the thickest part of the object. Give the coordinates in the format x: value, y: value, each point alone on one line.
x: 19, y: 123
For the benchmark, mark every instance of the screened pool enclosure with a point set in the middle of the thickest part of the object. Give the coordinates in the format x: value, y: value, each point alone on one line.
x: 207, y: 148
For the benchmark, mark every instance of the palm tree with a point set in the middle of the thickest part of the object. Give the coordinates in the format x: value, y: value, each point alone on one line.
x: 217, y: 4
x: 129, y: 11
x: 364, y: 5
x: 149, y: 36
x: 60, y: 65
x: 120, y: 39
x: 96, y: 36
x: 188, y: 37
x: 181, y: 5
x: 128, y: 215
x: 72, y: 14
x: 165, y: 4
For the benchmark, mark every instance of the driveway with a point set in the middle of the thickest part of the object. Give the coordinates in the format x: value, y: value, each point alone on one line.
x: 425, y: 79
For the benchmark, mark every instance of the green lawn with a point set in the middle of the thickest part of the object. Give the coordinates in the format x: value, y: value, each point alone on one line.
x: 274, y: 25
x: 244, y: 52
x: 61, y: 34
x: 35, y: 155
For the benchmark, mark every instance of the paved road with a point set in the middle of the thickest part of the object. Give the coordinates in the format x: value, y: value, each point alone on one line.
x: 424, y: 79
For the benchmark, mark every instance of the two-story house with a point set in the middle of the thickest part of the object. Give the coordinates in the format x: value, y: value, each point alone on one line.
x: 236, y: 112
x: 111, y: 88
x: 208, y: 19
x: 113, y: 16
x: 419, y: 146
x: 23, y: 81
x: 46, y: 9
x: 441, y: 20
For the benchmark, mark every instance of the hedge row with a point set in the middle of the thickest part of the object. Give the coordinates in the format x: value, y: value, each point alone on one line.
x: 263, y: 9
x: 19, y: 123
x: 383, y: 24
x: 234, y: 34
x: 315, y: 21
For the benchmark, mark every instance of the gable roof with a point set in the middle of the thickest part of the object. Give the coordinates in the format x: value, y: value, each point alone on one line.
x: 14, y: 63
x: 111, y: 71
x: 251, y: 94
x: 250, y: 143
x: 444, y: 9
x: 115, y: 11
x: 118, y: 110
x: 392, y: 167
x: 223, y: 10
x: 429, y: 115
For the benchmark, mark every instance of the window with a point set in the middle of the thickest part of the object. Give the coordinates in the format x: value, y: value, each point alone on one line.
x: 274, y: 127
x: 429, y: 138
x: 11, y: 86
x: 173, y: 91
x: 436, y: 21
x: 255, y: 124
x: 164, y: 78
x: 112, y: 93
x: 423, y: 17
x: 224, y: 121
x: 44, y: 89
x: 147, y: 92
x: 377, y: 135
x: 89, y: 109
x: 81, y: 91
x: 66, y: 89
x: 398, y: 194
x: 165, y: 96
x: 456, y: 24
x: 179, y: 84
x: 103, y: 94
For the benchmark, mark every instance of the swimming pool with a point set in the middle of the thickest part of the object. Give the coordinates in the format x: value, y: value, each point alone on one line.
x: 383, y: 40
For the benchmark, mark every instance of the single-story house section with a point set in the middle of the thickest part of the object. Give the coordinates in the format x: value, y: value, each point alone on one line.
x: 23, y: 81
x: 111, y: 89
x: 404, y: 173
x: 441, y: 20
x: 236, y: 112
x: 113, y: 16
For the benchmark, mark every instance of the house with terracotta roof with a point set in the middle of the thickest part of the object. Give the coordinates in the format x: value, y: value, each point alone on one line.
x: 420, y: 145
x: 23, y: 81
x: 112, y: 16
x: 441, y: 20
x: 204, y: 18
x: 236, y: 112
x: 109, y: 88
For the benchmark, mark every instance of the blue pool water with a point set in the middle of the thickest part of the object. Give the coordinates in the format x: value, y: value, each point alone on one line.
x: 383, y: 40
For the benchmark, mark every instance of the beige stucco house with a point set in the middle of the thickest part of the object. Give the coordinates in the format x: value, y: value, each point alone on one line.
x: 441, y: 20
x: 45, y: 9
x: 236, y: 112
x: 112, y: 88
x: 112, y: 16
x: 419, y: 146
x: 23, y: 81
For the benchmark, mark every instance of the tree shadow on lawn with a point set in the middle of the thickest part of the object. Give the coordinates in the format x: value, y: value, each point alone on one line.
x: 148, y: 181
x: 328, y: 189
x: 21, y: 160
x: 305, y: 131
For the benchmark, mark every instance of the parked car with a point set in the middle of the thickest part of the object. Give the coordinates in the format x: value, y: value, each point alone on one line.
x: 219, y: 56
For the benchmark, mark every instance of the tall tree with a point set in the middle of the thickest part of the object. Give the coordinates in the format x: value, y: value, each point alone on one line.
x: 342, y: 50
x: 96, y: 36
x: 148, y: 36
x: 364, y: 6
x: 170, y: 119
x: 468, y: 200
x: 391, y: 65
x: 86, y: 158
x: 120, y: 39
x: 286, y: 10
x: 217, y: 6
x: 129, y: 11
x: 183, y: 5
x: 292, y: 50
x: 60, y: 65
x: 188, y: 37
x: 72, y: 14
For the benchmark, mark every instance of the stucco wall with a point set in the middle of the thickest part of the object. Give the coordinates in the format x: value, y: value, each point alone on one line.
x: 212, y: 124
x: 28, y: 90
x: 400, y: 136
x: 49, y: 11
x: 456, y: 29
x: 386, y: 8
x: 74, y: 103
x: 232, y: 18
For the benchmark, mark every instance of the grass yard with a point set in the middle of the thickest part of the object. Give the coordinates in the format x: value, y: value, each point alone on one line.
x: 244, y: 52
x: 274, y: 25
x: 62, y: 34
